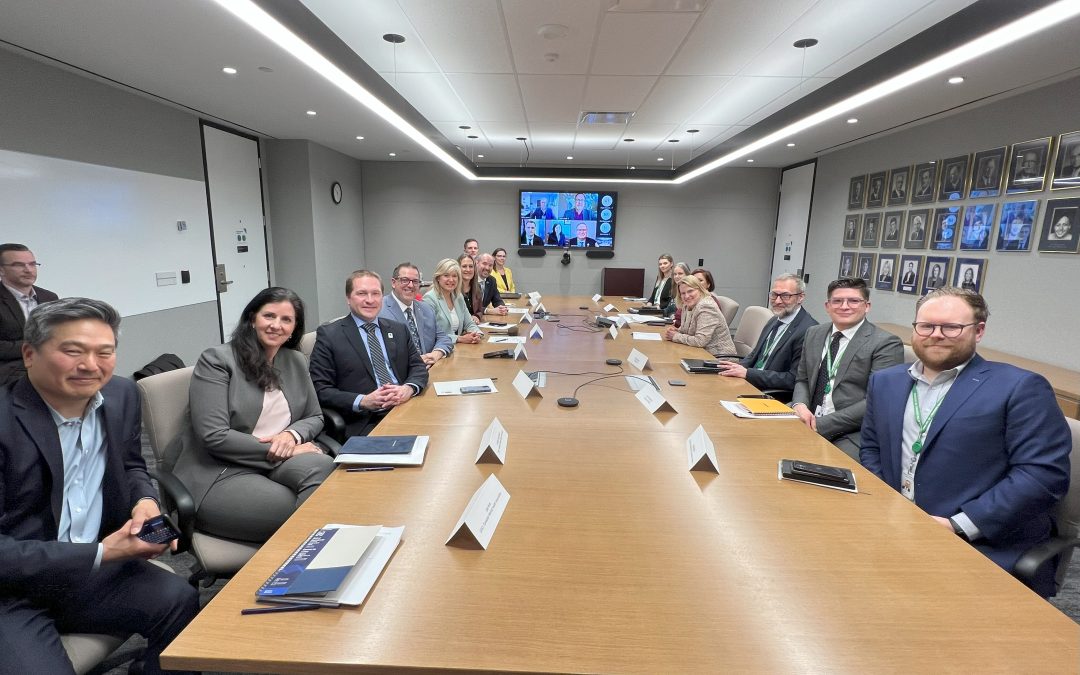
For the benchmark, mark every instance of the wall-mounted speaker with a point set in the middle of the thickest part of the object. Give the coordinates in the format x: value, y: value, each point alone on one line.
x: 603, y: 255
x: 531, y: 252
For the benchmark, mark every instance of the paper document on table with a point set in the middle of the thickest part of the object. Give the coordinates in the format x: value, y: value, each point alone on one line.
x: 507, y: 339
x: 356, y: 587
x: 642, y: 335
x: 739, y: 410
x: 454, y: 387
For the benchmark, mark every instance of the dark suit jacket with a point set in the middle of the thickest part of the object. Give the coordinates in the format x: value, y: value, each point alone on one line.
x: 33, y: 563
x: 783, y: 363
x: 589, y: 242
x: 535, y: 241
x: 665, y: 293
x: 341, y: 369
x: 12, y: 323
x: 432, y: 336
x: 908, y: 278
x: 546, y: 214
x: 871, y: 349
x: 997, y: 449
x: 491, y: 294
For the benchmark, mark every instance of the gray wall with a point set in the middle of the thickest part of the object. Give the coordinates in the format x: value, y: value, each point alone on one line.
x: 1033, y: 310
x: 48, y: 111
x: 423, y: 212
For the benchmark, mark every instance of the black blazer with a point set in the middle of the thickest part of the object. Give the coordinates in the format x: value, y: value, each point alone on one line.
x: 491, y: 294
x: 33, y: 563
x: 12, y: 323
x: 341, y: 369
x: 783, y: 363
x: 665, y: 293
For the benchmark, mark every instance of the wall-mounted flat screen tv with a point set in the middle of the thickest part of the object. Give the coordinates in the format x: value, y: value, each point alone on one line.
x: 555, y: 219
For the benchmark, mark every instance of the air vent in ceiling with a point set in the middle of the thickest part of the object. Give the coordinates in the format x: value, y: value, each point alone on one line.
x: 606, y: 117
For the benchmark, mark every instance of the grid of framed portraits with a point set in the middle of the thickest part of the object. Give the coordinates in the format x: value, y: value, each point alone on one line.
x: 936, y: 224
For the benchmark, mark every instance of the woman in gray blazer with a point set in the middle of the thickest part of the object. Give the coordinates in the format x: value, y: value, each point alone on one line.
x: 703, y: 324
x: 453, y: 317
x: 248, y: 455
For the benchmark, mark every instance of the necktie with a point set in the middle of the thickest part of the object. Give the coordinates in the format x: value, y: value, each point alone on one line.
x: 823, y: 372
x: 412, y: 330
x: 767, y: 347
x: 382, y: 371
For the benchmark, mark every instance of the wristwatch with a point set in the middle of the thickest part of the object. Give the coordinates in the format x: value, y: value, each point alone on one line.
x: 958, y: 531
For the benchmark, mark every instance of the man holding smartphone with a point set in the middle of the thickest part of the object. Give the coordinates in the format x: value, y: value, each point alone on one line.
x: 74, y: 495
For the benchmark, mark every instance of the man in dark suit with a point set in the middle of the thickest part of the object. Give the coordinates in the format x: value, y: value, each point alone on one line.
x: 980, y: 446
x: 582, y: 240
x: 830, y: 386
x: 530, y: 238
x: 74, y: 492
x: 19, y: 295
x: 774, y: 361
x: 542, y: 211
x: 909, y: 275
x: 492, y: 302
x: 363, y: 365
x: 579, y: 212
x: 401, y: 305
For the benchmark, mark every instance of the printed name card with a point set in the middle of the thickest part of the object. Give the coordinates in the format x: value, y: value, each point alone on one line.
x: 596, y: 298
x: 654, y: 401
x: 525, y: 386
x: 639, y: 360
x: 519, y: 353
x: 536, y: 333
x: 526, y: 318
x: 610, y: 308
x: 612, y: 332
x: 534, y: 295
x: 619, y: 321
x: 700, y: 453
x: 481, y: 517
x: 541, y: 308
x: 533, y: 302
x: 493, y: 444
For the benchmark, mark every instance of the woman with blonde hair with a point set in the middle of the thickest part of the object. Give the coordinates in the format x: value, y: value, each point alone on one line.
x: 451, y: 313
x: 679, y: 271
x: 702, y: 323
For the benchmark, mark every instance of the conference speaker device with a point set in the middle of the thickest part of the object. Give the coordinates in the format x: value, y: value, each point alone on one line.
x: 567, y: 402
x: 531, y: 253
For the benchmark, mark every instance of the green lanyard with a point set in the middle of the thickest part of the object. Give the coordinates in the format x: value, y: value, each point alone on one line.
x: 924, y: 425
x: 769, y: 345
x: 831, y: 367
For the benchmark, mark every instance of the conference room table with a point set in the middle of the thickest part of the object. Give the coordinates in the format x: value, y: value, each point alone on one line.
x: 612, y: 556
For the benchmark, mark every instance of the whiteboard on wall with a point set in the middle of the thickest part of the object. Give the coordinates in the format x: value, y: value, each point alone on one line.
x: 107, y: 233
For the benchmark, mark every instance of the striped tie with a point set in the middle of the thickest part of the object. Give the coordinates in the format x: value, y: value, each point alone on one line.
x: 382, y: 371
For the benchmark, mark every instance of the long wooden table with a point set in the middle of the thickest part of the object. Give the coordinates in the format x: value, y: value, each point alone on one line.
x: 613, y: 557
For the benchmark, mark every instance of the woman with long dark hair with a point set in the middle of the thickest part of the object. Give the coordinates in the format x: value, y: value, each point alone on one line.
x: 250, y: 455
x: 470, y: 288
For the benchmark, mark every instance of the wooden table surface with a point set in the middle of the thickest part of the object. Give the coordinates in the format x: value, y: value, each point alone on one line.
x: 612, y: 557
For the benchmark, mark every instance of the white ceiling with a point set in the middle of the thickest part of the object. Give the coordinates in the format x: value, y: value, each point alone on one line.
x: 484, y: 64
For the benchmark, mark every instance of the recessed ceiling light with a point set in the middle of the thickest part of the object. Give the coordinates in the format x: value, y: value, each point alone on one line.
x: 229, y: 70
x: 312, y: 113
x: 956, y: 80
x: 266, y: 69
x: 393, y: 154
x: 749, y: 161
x: 659, y: 159
x: 359, y: 138
x: 479, y: 156
x: 569, y: 156
x: 464, y: 127
x: 627, y: 140
x: 852, y: 120
x: 472, y: 138
x: 791, y: 145
x: 673, y: 140
x: 394, y: 38
x: 632, y: 168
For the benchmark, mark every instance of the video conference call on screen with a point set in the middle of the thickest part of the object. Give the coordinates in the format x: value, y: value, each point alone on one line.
x: 567, y: 219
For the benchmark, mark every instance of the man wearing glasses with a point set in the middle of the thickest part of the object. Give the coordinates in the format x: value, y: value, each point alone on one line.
x: 18, y: 273
x: 837, y: 359
x: 400, y: 305
x: 982, y: 447
x: 774, y: 361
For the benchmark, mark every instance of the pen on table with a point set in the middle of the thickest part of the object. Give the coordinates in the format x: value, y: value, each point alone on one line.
x: 280, y: 608
x: 370, y: 468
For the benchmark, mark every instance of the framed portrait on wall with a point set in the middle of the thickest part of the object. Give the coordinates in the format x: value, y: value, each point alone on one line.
x: 1027, y: 166
x: 871, y: 230
x: 1015, y: 225
x: 864, y: 268
x: 885, y: 277
x: 952, y: 180
x: 923, y: 182
x: 893, y: 229
x: 946, y: 228
x: 1067, y: 164
x: 970, y: 274
x: 987, y: 170
x: 910, y: 274
x: 937, y: 273
x: 916, y: 228
x: 851, y: 230
x: 857, y: 192
x: 1060, y: 227
x: 899, y: 186
x: 847, y: 264
x: 978, y: 227
x: 875, y: 190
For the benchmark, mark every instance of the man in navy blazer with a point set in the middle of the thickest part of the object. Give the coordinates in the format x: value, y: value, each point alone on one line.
x: 341, y: 366
x: 432, y: 342
x: 74, y: 492
x: 980, y: 446
x: 18, y: 296
x: 774, y: 361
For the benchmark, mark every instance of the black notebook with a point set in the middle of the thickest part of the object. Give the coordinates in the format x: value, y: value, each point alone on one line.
x: 700, y: 365
x: 835, y: 477
x: 378, y: 445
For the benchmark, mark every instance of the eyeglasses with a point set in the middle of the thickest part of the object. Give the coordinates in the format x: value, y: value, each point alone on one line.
x: 406, y: 281
x: 783, y: 296
x: 853, y: 302
x: 22, y: 265
x: 949, y: 330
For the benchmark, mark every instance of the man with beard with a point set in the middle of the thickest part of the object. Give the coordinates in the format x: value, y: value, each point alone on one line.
x: 774, y: 361
x: 982, y: 447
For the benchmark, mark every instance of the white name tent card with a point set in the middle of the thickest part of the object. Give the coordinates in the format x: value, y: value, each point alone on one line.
x: 482, y: 514
x: 648, y: 337
x: 526, y: 386
x: 612, y: 332
x: 519, y: 352
x: 610, y: 308
x: 493, y: 443
x: 619, y: 321
x: 541, y: 308
x: 596, y: 298
x: 506, y: 339
x: 654, y: 401
x: 526, y: 318
x: 534, y: 295
x: 536, y: 333
x: 700, y: 453
x: 516, y: 310
x: 639, y: 360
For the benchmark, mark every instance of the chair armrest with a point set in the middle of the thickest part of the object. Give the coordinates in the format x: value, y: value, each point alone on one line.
x: 331, y: 445
x: 782, y: 395
x: 1030, y: 563
x: 334, y: 425
x: 177, y: 494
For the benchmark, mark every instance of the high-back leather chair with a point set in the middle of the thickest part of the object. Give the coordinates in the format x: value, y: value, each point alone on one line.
x: 728, y: 307
x: 751, y: 324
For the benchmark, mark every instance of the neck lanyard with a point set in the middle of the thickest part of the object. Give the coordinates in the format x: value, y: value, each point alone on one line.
x: 770, y: 344
x: 924, y: 424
